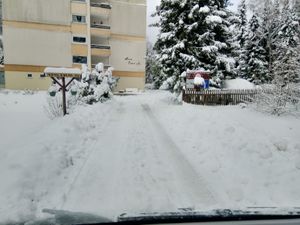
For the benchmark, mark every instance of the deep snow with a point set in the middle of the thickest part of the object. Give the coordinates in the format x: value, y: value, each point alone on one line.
x: 143, y: 153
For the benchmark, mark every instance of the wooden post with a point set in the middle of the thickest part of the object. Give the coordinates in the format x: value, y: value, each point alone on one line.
x: 64, y: 96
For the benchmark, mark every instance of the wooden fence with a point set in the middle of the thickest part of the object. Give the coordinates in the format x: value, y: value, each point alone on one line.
x: 218, y: 97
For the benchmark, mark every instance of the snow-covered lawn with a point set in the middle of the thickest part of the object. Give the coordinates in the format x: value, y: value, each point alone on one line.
x: 143, y: 154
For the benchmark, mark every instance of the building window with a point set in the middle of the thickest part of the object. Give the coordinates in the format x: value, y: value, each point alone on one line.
x: 29, y: 75
x: 78, y: 19
x: 80, y: 59
x: 42, y: 75
x: 79, y: 39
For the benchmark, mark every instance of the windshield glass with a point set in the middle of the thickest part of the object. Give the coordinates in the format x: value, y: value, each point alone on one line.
x: 114, y: 109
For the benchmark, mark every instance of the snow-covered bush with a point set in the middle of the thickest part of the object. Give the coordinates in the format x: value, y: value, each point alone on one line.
x: 54, y: 107
x: 279, y: 98
x: 53, y: 88
x: 95, y: 86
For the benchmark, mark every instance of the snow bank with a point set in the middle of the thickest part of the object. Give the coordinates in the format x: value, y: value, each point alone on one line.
x: 238, y: 83
x: 247, y: 159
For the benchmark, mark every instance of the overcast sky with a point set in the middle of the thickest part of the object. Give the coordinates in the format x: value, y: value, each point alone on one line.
x: 151, y: 4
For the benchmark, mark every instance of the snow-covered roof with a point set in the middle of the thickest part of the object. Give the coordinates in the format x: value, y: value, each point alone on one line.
x: 62, y: 72
x: 238, y: 83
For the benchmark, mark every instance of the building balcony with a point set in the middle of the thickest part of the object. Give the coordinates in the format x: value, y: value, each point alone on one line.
x: 100, y: 26
x: 101, y: 4
x: 100, y: 8
x: 101, y: 30
x: 100, y: 50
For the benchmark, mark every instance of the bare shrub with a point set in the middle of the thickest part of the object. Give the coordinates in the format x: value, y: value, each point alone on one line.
x: 53, y: 108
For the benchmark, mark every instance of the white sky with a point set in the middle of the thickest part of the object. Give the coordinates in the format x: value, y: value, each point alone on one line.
x: 151, y: 4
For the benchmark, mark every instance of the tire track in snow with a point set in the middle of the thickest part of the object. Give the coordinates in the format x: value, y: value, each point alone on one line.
x: 192, y: 183
x: 90, y: 152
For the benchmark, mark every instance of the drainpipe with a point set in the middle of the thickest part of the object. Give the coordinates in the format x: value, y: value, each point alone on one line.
x: 89, y: 34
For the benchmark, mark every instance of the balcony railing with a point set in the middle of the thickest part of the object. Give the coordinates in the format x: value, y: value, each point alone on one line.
x: 100, y: 26
x: 97, y: 46
x: 101, y: 5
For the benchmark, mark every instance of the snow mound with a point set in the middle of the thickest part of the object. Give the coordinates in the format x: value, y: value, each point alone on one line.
x: 238, y: 83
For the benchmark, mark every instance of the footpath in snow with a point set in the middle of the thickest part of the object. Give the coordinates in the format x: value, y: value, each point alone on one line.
x: 143, y: 153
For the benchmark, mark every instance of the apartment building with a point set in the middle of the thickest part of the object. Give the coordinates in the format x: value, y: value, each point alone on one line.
x: 66, y: 33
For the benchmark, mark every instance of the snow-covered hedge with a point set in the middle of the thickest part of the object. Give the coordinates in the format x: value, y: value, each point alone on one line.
x: 279, y: 98
x: 95, y: 86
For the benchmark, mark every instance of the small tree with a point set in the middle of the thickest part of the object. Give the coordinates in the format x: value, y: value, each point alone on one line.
x: 152, y: 65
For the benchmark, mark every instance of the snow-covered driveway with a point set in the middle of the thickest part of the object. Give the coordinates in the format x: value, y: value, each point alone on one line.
x: 144, y: 154
x: 134, y: 166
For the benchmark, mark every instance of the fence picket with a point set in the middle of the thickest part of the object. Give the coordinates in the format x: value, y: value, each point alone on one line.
x: 219, y: 97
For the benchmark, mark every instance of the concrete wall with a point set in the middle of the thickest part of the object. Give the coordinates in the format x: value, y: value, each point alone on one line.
x: 19, y: 81
x: 79, y: 8
x: 41, y: 11
x: 128, y: 18
x: 37, y: 47
x: 128, y: 55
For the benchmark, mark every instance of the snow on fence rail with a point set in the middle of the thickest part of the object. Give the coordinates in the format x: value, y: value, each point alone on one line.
x: 219, y: 97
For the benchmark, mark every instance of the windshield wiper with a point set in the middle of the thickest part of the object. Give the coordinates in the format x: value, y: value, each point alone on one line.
x: 261, y: 213
x: 61, y: 217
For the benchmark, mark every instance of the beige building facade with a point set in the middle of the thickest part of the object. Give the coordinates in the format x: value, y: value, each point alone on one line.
x: 66, y: 33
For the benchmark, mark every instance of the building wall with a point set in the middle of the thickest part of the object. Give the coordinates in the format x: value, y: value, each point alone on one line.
x: 128, y: 42
x: 128, y: 55
x: 79, y: 8
x: 26, y: 46
x: 128, y: 18
x: 40, y: 11
x: 19, y: 81
x: 131, y: 82
x: 38, y: 33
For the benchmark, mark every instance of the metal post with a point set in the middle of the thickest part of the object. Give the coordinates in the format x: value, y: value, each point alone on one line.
x: 64, y: 96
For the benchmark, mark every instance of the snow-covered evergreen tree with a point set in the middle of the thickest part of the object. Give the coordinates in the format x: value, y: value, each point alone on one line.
x: 271, y: 24
x: 241, y: 37
x: 242, y: 25
x: 256, y: 65
x: 152, y: 67
x: 287, y: 61
x: 193, y: 35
